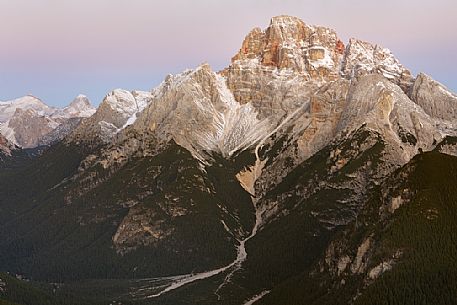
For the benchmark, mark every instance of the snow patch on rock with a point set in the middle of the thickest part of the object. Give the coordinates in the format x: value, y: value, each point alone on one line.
x: 8, y: 108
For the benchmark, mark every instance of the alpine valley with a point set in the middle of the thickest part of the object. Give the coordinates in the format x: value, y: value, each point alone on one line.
x: 309, y: 171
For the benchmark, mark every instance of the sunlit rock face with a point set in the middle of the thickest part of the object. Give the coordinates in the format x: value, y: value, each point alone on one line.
x: 199, y: 112
x: 276, y: 69
x: 289, y: 43
x: 281, y: 151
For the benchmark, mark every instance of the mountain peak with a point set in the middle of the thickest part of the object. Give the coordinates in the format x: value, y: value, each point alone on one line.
x: 27, y: 126
x: 362, y: 57
x: 121, y: 101
x: 80, y: 107
x: 82, y: 104
x: 317, y: 52
x: 287, y: 22
x: 289, y: 43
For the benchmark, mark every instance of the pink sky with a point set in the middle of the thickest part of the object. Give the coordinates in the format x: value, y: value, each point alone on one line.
x: 56, y: 49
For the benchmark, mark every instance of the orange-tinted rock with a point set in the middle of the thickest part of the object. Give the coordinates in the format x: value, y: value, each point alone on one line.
x: 316, y: 54
x: 252, y: 45
x: 339, y: 47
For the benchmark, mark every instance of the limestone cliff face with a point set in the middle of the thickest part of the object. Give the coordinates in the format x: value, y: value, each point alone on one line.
x: 434, y: 98
x: 363, y: 57
x: 29, y: 126
x: 112, y: 115
x: 277, y: 69
x: 292, y: 65
x: 286, y: 146
x: 197, y: 111
x: 60, y: 132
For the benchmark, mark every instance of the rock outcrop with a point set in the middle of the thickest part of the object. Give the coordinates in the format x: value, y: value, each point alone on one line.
x: 289, y: 43
x: 198, y: 111
x: 365, y: 58
x: 283, y: 156
x: 117, y: 110
x: 434, y: 98
x: 28, y: 127
x: 60, y: 132
x: 5, y: 147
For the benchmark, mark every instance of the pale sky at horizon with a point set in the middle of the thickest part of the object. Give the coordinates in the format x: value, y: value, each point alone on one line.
x: 56, y: 49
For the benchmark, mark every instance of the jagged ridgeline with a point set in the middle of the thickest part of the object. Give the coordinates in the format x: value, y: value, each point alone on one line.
x: 306, y: 172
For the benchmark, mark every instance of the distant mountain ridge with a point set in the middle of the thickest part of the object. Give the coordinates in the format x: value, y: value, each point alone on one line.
x: 5, y: 146
x: 24, y: 121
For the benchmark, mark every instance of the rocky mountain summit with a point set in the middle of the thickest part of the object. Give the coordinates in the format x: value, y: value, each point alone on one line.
x: 299, y: 174
x: 25, y: 121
